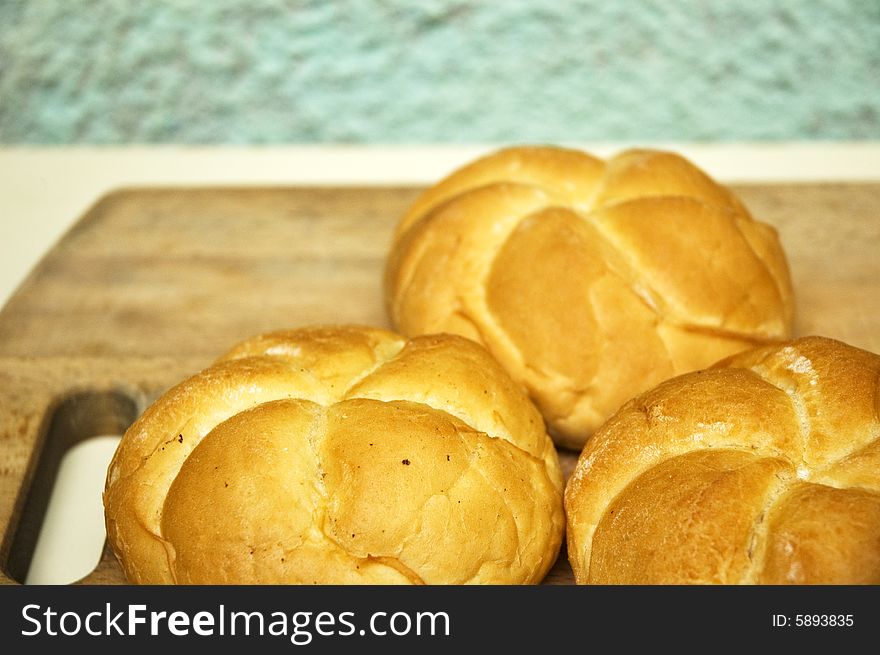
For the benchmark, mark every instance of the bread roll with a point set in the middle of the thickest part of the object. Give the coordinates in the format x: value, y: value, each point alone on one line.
x: 764, y: 469
x: 338, y: 455
x: 590, y: 281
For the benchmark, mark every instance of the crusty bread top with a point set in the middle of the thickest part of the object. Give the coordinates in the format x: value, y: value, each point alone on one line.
x: 762, y: 469
x: 590, y: 281
x: 338, y: 455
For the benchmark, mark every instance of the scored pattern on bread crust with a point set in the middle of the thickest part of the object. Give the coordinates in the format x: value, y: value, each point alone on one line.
x: 338, y: 455
x: 762, y: 469
x: 589, y: 280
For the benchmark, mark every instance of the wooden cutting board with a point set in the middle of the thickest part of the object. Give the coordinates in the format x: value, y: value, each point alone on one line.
x: 152, y: 284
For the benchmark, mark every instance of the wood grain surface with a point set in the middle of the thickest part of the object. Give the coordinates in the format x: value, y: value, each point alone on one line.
x: 152, y: 284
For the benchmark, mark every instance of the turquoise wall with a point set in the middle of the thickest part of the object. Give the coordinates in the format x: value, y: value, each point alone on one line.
x: 387, y: 71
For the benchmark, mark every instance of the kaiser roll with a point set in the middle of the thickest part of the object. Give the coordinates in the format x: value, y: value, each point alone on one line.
x: 338, y: 455
x: 589, y: 280
x: 762, y: 469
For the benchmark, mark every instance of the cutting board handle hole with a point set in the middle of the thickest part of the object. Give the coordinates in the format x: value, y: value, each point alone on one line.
x: 79, y: 439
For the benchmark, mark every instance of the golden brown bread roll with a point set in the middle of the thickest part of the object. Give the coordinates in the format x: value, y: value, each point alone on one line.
x: 590, y: 281
x: 762, y: 469
x: 338, y: 455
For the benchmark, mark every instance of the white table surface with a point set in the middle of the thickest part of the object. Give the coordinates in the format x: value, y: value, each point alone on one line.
x: 44, y: 190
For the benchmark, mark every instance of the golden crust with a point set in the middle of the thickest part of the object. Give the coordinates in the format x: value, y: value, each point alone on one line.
x: 338, y: 455
x: 589, y: 281
x: 761, y: 469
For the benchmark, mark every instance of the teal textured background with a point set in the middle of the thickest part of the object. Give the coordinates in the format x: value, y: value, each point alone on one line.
x: 387, y: 71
